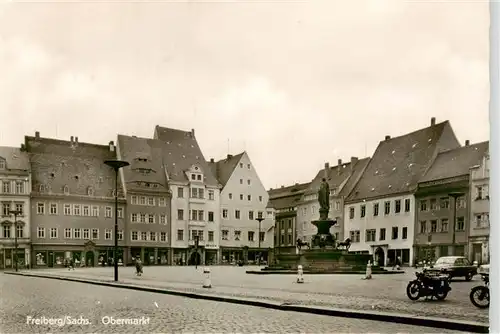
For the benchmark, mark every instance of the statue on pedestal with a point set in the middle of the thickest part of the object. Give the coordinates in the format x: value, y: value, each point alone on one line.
x: 324, y: 200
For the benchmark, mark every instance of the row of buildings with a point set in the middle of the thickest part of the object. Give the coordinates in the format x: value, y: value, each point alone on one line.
x: 421, y: 195
x: 168, y: 197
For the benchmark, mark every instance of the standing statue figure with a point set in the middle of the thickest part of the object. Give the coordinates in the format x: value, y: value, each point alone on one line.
x: 324, y: 200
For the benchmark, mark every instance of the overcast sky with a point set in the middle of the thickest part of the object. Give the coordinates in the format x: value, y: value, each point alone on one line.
x: 295, y: 84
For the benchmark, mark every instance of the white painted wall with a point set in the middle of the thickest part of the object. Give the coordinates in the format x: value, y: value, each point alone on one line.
x: 238, y: 185
x: 402, y: 219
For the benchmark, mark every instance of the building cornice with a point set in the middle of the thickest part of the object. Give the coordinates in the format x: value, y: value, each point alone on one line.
x: 376, y: 198
x: 444, y: 181
x: 38, y: 196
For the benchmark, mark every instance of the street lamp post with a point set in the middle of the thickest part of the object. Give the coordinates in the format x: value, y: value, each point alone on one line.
x: 116, y: 165
x: 196, y: 243
x: 455, y: 195
x: 15, y: 213
x: 259, y: 219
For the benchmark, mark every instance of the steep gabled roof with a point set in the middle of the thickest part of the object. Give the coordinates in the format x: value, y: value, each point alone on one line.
x: 456, y: 162
x: 286, y: 197
x: 223, y: 169
x: 180, y: 152
x: 146, y: 169
x: 359, y: 168
x: 15, y: 159
x: 399, y: 163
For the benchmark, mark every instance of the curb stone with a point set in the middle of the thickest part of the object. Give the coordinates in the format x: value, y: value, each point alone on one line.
x: 434, y: 322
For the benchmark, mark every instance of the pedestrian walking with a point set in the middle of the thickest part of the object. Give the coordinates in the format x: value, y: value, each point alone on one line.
x: 397, y: 263
x: 138, y: 267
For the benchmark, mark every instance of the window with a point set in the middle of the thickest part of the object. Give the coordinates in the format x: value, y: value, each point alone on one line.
x: 162, y: 201
x: 225, y: 234
x: 479, y: 192
x: 248, y: 166
x: 6, y: 209
x: 133, y: 217
x: 260, y: 214
x: 249, y: 182
x: 241, y: 181
x: 210, y: 216
x: 407, y: 205
x: 163, y: 219
x: 86, y: 233
x: 20, y: 231
x: 180, y: 235
x: 201, y: 193
x: 86, y: 210
x: 77, y: 233
x: 397, y: 206
x: 237, y: 214
x: 66, y: 190
x: 444, y: 225
x: 95, y: 233
x: 20, y: 208
x: 382, y: 234
x: 237, y: 235
x: 67, y: 233
x: 133, y: 200
x: 250, y: 235
x: 433, y: 204
x: 6, y: 187
x: 405, y: 233
x: 201, y: 234
x: 6, y: 231
x: 120, y: 234
x: 180, y: 192
x: 2, y: 164
x: 151, y: 201
x: 40, y: 208
x: 120, y: 212
x: 53, y: 233
x: 262, y: 236
x: 423, y: 205
x: 250, y: 215
x: 142, y: 217
x: 387, y: 207
x: 152, y: 236
x: 19, y: 187
x: 211, y: 236
x: 337, y: 205
x: 354, y: 236
x: 144, y: 236
x: 142, y: 200
x: 95, y: 211
x: 180, y: 214
x: 194, y: 192
x: 375, y: 209
x: 41, y: 188
x: 423, y: 226
x: 193, y: 177
x: 241, y: 165
x: 224, y: 213
x: 249, y: 197
x: 434, y: 224
x: 371, y: 235
x: 134, y: 236
x: 351, y: 212
x: 363, y: 210
x: 444, y: 202
x: 163, y: 236
x: 76, y: 210
x: 461, y: 203
x: 151, y: 219
x: 241, y: 197
x: 230, y: 196
x: 41, y: 232
x: 260, y: 198
x: 211, y: 195
x: 201, y: 215
x: 460, y: 223
x: 107, y: 212
x: 394, y: 232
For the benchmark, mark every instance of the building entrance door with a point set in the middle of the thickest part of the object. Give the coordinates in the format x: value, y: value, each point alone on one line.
x: 477, y: 252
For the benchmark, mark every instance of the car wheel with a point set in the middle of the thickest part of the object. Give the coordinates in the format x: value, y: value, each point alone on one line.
x: 469, y: 276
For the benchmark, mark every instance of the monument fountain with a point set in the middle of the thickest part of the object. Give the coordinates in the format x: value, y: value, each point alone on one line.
x: 324, y: 255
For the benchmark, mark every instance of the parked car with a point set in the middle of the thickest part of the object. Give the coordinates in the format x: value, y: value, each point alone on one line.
x: 455, y: 266
x: 484, y: 269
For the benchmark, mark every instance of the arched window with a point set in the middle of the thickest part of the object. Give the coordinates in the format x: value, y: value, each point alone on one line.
x: 66, y: 190
x: 41, y: 188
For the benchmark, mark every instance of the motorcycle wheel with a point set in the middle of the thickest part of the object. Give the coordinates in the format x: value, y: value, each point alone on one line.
x: 413, y: 290
x: 480, y: 294
x: 441, y: 295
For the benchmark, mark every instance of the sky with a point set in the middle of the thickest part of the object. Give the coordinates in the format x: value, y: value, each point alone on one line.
x: 294, y: 83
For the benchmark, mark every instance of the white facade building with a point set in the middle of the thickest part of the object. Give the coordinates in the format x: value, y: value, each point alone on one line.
x: 243, y: 200
x: 15, y: 189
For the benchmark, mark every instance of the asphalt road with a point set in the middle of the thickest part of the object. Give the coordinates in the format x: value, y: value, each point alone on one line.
x: 25, y: 298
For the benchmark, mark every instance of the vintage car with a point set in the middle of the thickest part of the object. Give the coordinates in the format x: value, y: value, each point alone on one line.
x: 455, y: 266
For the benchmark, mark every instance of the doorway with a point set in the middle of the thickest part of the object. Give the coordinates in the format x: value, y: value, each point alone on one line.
x: 195, y: 259
x: 89, y: 257
x: 379, y: 257
x: 477, y: 253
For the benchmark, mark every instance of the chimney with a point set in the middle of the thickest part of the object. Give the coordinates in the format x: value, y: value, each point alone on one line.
x: 229, y: 156
x: 467, y: 142
x: 37, y: 135
x: 282, y: 186
x: 111, y: 146
x: 327, y: 165
x: 76, y: 140
x: 387, y: 137
x: 340, y: 162
x: 192, y: 133
x: 212, y: 160
x: 354, y: 161
x: 325, y: 171
x: 23, y: 148
x: 72, y: 139
x: 433, y: 121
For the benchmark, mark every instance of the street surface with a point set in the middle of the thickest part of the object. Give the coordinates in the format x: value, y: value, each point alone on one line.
x: 24, y: 297
x: 382, y: 293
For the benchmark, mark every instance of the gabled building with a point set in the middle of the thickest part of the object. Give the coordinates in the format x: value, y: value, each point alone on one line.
x: 72, y: 202
x: 284, y: 202
x: 148, y: 196
x: 479, y: 231
x: 14, y: 195
x: 195, y: 203
x: 243, y: 199
x: 440, y: 229
x: 341, y: 179
x: 380, y: 210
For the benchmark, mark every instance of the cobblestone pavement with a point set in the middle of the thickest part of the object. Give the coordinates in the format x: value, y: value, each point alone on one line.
x: 383, y: 292
x: 24, y: 297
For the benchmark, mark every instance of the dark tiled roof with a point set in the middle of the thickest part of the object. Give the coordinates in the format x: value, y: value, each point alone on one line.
x: 59, y: 163
x: 223, y: 169
x: 180, y: 152
x: 287, y: 197
x: 399, y: 163
x: 359, y: 168
x: 456, y: 162
x: 15, y: 158
x: 145, y: 172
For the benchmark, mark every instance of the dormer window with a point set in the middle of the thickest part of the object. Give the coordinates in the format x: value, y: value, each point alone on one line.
x: 3, y: 164
x: 142, y: 159
x: 66, y: 190
x: 41, y: 188
x: 90, y: 191
x: 198, y: 177
x: 193, y: 177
